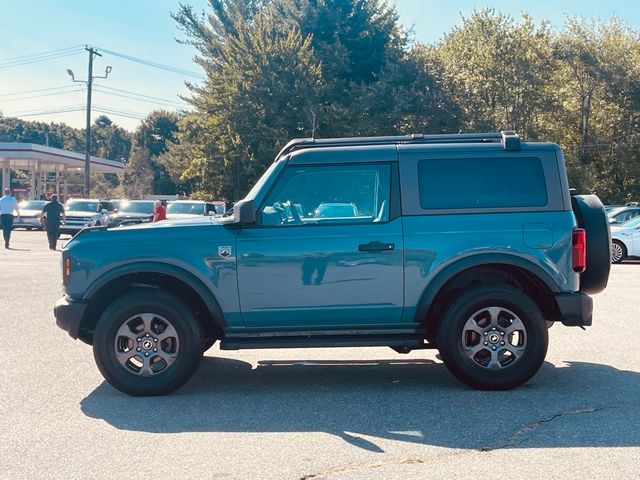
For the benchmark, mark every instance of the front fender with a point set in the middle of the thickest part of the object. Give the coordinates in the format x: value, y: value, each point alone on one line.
x: 162, y: 268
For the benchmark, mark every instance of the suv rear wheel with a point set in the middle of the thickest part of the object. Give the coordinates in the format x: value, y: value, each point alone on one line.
x: 147, y: 343
x: 493, y: 338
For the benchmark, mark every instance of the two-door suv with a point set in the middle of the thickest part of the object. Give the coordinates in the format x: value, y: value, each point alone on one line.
x: 471, y: 244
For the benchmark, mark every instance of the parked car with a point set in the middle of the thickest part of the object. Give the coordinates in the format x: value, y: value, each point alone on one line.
x: 625, y: 240
x: 336, y: 210
x: 30, y: 215
x: 131, y: 212
x: 193, y: 208
x: 622, y: 214
x: 84, y: 212
x: 471, y: 244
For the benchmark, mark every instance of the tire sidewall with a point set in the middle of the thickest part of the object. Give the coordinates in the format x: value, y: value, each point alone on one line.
x: 469, y: 372
x: 164, y: 305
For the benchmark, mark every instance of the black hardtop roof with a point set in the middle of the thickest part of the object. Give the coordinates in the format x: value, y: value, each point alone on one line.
x: 509, y: 139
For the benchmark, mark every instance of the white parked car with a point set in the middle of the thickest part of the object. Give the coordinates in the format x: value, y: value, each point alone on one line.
x: 625, y: 240
x: 30, y: 212
x: 83, y: 212
x: 193, y: 208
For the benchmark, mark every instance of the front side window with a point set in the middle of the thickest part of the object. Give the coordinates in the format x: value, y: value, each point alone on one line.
x: 329, y: 194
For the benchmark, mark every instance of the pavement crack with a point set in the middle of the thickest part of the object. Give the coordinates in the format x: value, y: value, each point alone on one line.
x: 519, y: 435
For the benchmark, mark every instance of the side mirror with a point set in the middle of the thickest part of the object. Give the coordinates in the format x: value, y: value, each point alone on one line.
x: 211, y: 212
x: 244, y: 213
x: 613, y: 220
x: 104, y: 211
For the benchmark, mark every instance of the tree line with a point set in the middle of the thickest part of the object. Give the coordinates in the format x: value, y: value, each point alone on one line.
x: 282, y: 69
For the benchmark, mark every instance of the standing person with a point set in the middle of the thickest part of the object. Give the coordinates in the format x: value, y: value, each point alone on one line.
x: 8, y: 205
x: 160, y: 211
x: 53, y: 211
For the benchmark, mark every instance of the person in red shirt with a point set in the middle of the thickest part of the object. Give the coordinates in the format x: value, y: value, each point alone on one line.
x: 160, y: 211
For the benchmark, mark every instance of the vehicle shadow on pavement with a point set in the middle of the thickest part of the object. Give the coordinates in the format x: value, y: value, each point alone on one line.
x: 575, y: 404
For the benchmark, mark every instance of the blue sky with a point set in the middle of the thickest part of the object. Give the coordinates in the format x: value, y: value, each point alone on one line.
x: 144, y: 29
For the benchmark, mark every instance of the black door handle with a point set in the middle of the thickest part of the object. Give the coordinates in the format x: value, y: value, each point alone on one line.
x: 376, y: 247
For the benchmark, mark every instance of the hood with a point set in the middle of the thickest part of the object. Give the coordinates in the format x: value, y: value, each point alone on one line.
x: 80, y: 213
x: 29, y: 213
x: 183, y: 215
x: 181, y: 222
x: 120, y: 215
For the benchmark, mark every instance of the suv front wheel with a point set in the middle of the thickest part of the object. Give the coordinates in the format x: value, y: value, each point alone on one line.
x: 147, y: 343
x: 493, y: 338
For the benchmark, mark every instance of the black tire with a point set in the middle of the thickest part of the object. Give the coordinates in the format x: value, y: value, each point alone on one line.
x: 188, y: 338
x: 511, y: 370
x: 621, y: 250
x: 43, y: 224
x: 29, y: 229
x: 591, y: 216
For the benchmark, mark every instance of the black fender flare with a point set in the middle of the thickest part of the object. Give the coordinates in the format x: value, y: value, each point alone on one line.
x: 167, y: 269
x: 447, y: 273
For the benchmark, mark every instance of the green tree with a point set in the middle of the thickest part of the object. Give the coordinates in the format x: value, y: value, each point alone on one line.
x: 498, y: 72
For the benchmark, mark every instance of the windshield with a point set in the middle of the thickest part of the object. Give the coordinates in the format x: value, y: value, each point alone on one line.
x: 219, y: 208
x: 634, y: 222
x: 195, y: 208
x: 31, y: 205
x: 81, y: 206
x: 137, y: 207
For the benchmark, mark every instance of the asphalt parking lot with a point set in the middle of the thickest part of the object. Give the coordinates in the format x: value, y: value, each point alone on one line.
x: 337, y: 414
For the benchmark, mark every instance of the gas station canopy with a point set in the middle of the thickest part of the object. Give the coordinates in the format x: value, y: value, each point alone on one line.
x: 39, y: 159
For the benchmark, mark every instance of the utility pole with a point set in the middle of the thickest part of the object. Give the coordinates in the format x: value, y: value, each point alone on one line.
x: 87, y: 139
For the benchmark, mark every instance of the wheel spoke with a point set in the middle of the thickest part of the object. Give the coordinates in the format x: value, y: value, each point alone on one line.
x: 494, y: 363
x: 473, y: 350
x: 146, y: 371
x: 515, y: 350
x: 169, y: 332
x: 494, y: 312
x: 125, y: 331
x: 124, y: 357
x: 168, y: 357
x: 473, y: 326
x: 516, y: 326
x: 147, y: 318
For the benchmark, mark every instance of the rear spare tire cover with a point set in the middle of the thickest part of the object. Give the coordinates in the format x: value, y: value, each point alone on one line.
x: 591, y: 216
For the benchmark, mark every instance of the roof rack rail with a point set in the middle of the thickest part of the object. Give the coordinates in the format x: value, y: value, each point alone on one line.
x: 509, y: 139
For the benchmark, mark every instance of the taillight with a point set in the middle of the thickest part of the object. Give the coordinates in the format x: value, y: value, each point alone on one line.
x: 66, y: 270
x: 579, y: 249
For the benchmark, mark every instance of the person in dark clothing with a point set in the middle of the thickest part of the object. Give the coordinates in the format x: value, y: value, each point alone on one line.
x: 53, y: 211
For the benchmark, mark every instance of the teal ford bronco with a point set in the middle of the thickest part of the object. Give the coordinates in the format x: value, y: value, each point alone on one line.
x: 472, y: 244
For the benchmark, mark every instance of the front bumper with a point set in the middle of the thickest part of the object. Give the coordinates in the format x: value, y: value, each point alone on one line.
x: 576, y: 309
x: 29, y: 222
x: 69, y: 315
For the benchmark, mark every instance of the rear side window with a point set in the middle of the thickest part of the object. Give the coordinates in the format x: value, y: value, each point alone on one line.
x: 481, y: 183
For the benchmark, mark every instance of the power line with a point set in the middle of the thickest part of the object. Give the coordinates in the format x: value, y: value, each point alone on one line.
x: 49, y: 52
x: 166, y: 103
x: 42, y: 95
x: 39, y: 58
x: 121, y: 110
x: 149, y: 63
x: 35, y: 91
x: 137, y: 94
x: 47, y: 112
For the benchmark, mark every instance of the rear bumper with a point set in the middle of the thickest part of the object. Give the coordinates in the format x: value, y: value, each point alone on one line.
x: 69, y: 315
x: 576, y: 309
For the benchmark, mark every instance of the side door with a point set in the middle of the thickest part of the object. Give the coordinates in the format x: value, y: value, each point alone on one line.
x: 327, y: 252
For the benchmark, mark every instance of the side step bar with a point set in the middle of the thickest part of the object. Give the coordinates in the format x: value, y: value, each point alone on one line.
x: 396, y: 341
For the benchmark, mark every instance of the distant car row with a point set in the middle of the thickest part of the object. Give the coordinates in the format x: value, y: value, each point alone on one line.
x: 81, y: 213
x: 625, y: 232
